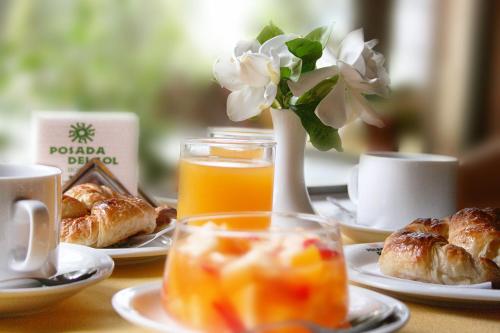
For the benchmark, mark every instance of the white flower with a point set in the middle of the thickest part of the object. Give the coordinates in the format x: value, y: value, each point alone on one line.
x: 361, y: 71
x: 253, y: 74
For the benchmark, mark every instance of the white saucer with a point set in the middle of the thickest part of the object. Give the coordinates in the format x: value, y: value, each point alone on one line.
x: 152, y: 251
x: 141, y: 305
x: 71, y: 257
x: 362, y: 261
x: 343, y: 210
x: 361, y: 233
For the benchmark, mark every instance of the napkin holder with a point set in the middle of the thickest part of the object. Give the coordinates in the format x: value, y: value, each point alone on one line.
x: 96, y: 172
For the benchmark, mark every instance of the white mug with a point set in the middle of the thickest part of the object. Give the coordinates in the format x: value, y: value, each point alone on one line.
x: 390, y: 190
x: 30, y: 200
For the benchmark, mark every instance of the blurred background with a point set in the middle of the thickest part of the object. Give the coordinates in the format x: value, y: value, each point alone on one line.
x: 154, y: 58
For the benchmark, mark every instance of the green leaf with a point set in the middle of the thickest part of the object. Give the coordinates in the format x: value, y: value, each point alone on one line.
x: 307, y: 50
x: 268, y: 32
x: 291, y: 72
x: 322, y: 137
x: 318, y: 92
x: 321, y: 34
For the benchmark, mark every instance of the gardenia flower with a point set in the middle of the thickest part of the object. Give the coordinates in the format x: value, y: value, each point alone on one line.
x: 253, y: 74
x: 361, y: 71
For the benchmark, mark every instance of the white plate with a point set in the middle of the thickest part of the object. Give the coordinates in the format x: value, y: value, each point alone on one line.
x: 71, y: 257
x: 152, y: 251
x: 362, y: 261
x: 141, y: 305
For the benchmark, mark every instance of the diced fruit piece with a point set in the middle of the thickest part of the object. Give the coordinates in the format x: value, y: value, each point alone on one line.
x: 310, y: 241
x: 229, y: 316
x: 209, y: 269
x: 324, y: 251
x: 327, y: 254
x: 300, y: 292
x: 309, y: 256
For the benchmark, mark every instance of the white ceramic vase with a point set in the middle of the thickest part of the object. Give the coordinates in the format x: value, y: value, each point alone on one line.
x: 290, y: 192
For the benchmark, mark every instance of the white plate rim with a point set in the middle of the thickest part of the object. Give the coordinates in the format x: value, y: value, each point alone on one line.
x: 416, y: 289
x: 348, y: 223
x: 138, y: 252
x: 123, y: 301
x: 105, y: 270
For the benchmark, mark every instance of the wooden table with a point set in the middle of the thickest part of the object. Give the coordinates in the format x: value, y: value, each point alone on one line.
x: 91, y: 311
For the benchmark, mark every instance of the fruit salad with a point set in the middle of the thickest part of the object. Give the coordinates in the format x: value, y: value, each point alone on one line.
x: 221, y: 283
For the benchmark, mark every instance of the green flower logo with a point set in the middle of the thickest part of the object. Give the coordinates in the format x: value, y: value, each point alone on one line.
x: 81, y: 132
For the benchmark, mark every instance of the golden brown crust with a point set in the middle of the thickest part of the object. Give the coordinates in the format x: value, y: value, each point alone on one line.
x: 477, y: 231
x: 112, y: 218
x: 120, y: 218
x: 72, y: 208
x: 420, y: 251
x: 165, y: 215
x: 428, y: 257
x: 82, y: 230
x: 90, y: 194
x: 435, y: 226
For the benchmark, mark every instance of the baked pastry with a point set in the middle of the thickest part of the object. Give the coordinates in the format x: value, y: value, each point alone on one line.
x: 72, y: 208
x: 427, y: 257
x: 477, y: 231
x: 430, y: 225
x: 110, y: 221
x: 89, y: 194
x: 164, y: 216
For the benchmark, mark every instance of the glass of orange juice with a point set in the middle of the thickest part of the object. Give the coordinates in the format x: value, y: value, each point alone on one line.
x: 224, y: 175
x: 222, y: 280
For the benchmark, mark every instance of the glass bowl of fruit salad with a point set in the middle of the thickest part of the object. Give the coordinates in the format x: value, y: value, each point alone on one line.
x: 224, y: 274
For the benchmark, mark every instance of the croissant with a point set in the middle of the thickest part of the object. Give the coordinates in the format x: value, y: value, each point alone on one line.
x: 89, y: 194
x: 72, y: 208
x: 109, y: 222
x: 427, y: 257
x: 477, y: 231
x: 430, y: 225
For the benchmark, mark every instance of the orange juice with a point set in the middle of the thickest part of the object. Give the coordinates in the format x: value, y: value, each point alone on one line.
x: 215, y: 289
x: 213, y: 184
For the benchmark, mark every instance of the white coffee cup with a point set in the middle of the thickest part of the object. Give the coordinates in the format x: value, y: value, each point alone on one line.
x: 30, y: 200
x: 390, y: 190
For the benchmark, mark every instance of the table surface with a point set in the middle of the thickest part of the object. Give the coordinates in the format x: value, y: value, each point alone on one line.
x: 91, y: 310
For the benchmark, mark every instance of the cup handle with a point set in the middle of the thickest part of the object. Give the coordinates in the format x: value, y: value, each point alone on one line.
x: 352, y: 185
x: 37, y: 215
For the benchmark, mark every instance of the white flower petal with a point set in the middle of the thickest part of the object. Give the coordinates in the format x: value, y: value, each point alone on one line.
x: 255, y: 69
x: 371, y: 43
x: 277, y: 43
x: 270, y: 94
x: 244, y: 46
x: 227, y: 73
x: 352, y: 110
x: 351, y: 50
x: 309, y: 80
x: 246, y: 103
x: 368, y: 114
x: 353, y: 78
x: 327, y: 59
x: 332, y: 109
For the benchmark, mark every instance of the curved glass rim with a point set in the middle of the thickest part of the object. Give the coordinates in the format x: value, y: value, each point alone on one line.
x: 229, y: 142
x: 327, y: 225
x: 241, y: 129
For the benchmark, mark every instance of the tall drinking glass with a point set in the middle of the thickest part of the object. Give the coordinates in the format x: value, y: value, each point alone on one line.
x: 222, y: 280
x: 224, y: 175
